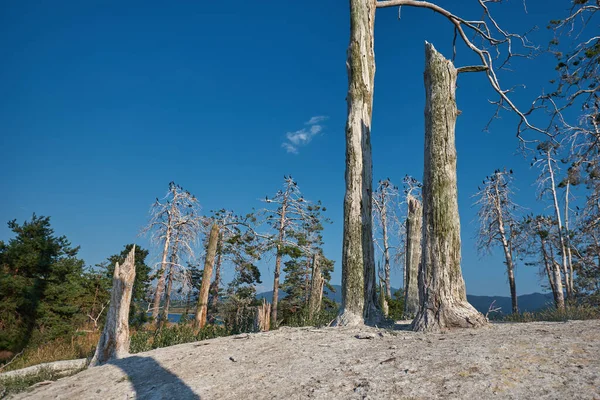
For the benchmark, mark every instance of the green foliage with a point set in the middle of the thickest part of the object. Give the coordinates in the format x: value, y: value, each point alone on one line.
x: 300, y: 317
x: 41, y: 285
x: 173, y: 335
x: 396, y: 305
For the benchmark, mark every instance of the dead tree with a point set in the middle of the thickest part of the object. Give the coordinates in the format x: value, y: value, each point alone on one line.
x: 547, y: 186
x: 315, y: 299
x: 211, y: 251
x: 178, y: 214
x: 114, y: 341
x: 262, y: 318
x: 498, y: 223
x: 385, y: 202
x: 414, y: 230
x: 359, y: 303
x: 443, y: 295
x: 288, y: 217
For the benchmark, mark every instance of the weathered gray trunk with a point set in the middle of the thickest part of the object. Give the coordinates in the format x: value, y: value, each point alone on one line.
x: 414, y: 232
x: 443, y: 298
x: 171, y: 276
x: 316, y: 289
x: 209, y: 262
x: 160, y: 285
x: 507, y: 247
x: 553, y: 271
x: 114, y: 341
x: 262, y: 318
x: 383, y: 303
x: 359, y: 303
x: 386, y: 249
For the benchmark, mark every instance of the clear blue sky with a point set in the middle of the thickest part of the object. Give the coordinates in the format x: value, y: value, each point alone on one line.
x: 105, y: 102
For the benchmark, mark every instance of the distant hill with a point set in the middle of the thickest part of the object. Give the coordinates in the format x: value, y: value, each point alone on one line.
x: 527, y: 302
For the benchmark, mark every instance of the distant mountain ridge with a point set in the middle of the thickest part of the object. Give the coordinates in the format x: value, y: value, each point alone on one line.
x: 527, y: 302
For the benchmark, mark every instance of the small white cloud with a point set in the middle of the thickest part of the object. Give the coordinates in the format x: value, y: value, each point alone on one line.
x: 315, y: 129
x: 303, y: 136
x: 289, y: 148
x: 316, y: 119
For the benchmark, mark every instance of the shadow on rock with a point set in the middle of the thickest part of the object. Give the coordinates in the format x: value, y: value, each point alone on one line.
x: 152, y: 381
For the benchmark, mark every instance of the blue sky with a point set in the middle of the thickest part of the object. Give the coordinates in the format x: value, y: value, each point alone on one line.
x: 105, y: 102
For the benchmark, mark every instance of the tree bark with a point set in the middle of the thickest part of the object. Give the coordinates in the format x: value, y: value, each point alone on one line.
x: 359, y: 303
x: 114, y: 341
x: 165, y: 313
x: 553, y: 271
x: 217, y: 282
x: 316, y: 289
x: 414, y: 232
x: 262, y: 320
x: 443, y: 297
x: 209, y: 262
x: 160, y: 285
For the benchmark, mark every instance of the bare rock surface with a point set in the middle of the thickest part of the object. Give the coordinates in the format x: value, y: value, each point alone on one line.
x: 541, y: 360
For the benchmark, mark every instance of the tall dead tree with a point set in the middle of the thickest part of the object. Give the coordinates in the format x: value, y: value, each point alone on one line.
x: 547, y: 184
x: 385, y: 202
x: 414, y: 230
x: 443, y: 295
x: 288, y: 217
x: 177, y: 215
x: 359, y: 303
x: 114, y: 341
x: 498, y: 223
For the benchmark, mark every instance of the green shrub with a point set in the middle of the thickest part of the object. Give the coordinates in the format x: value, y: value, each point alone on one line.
x: 172, y: 335
x: 10, y: 386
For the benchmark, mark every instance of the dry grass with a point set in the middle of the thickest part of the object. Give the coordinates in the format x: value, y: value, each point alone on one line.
x: 81, y: 345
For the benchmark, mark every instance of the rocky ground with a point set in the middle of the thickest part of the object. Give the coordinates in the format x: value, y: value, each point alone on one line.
x: 541, y: 360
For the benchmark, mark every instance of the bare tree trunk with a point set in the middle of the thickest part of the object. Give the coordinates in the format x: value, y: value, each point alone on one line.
x: 262, y: 320
x: 316, y: 289
x: 442, y: 289
x: 165, y: 313
x: 510, y: 265
x: 383, y: 303
x: 217, y: 281
x: 568, y: 241
x: 386, y: 249
x: 561, y: 237
x: 553, y: 271
x: 114, y: 341
x: 414, y: 232
x: 209, y: 262
x: 160, y: 285
x: 359, y: 303
x: 278, y: 257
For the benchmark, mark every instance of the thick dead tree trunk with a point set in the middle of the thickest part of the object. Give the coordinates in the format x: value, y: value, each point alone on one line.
x: 443, y: 297
x: 386, y: 251
x: 209, y: 262
x: 217, y: 282
x: 114, y: 341
x: 316, y: 289
x: 359, y: 303
x: 262, y: 318
x: 414, y: 232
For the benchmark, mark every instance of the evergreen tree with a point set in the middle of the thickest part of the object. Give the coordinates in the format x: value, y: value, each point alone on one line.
x: 41, y: 285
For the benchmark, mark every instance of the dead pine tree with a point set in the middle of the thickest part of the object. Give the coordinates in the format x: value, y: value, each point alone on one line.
x: 385, y: 202
x: 359, y: 303
x: 498, y: 223
x: 114, y: 341
x: 443, y: 295
x: 315, y: 299
x: 178, y: 215
x: 211, y: 252
x: 288, y: 216
x: 412, y: 259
